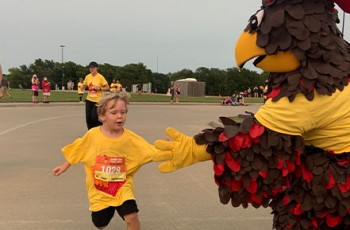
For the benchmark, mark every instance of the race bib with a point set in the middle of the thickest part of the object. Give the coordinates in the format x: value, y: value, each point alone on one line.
x: 109, y: 174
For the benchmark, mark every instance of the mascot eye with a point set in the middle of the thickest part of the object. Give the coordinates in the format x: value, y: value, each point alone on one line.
x: 255, y: 21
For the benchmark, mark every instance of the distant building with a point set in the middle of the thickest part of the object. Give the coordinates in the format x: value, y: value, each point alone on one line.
x: 191, y: 87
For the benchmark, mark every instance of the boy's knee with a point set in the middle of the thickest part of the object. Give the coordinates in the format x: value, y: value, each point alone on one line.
x: 131, y: 218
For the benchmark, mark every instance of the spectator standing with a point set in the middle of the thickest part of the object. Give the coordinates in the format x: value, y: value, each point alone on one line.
x: 172, y: 91
x: 45, y: 84
x: 96, y: 83
x: 113, y: 86
x: 35, y: 88
x: 256, y: 91
x: 177, y: 93
x: 116, y: 86
x: 81, y: 90
x: 139, y: 89
x: 4, y: 86
x: 249, y: 91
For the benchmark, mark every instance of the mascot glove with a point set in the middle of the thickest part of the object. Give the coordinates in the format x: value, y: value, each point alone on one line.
x: 181, y: 152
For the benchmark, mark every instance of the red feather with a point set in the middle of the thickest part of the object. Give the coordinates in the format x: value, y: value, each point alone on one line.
x: 256, y: 131
x: 232, y: 163
x: 222, y: 137
x: 274, y: 93
x: 333, y: 221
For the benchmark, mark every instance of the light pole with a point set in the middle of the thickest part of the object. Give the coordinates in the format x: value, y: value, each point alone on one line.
x: 62, y: 46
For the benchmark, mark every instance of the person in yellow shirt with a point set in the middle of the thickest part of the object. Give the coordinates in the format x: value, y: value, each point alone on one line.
x: 96, y: 83
x: 111, y: 156
x: 113, y: 85
x: 116, y: 86
x: 80, y: 90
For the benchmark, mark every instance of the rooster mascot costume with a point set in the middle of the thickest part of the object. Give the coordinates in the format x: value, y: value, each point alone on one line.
x: 293, y: 155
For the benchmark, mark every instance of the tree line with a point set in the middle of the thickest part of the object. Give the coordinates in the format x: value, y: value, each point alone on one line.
x: 218, y: 81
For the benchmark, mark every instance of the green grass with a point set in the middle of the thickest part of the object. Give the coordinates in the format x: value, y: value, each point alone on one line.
x: 19, y: 95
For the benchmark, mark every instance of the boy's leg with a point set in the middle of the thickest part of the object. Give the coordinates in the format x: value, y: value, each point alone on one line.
x: 102, y: 218
x: 128, y: 211
x: 132, y: 221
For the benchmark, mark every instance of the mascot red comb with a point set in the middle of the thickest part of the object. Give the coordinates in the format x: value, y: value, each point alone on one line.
x: 293, y: 155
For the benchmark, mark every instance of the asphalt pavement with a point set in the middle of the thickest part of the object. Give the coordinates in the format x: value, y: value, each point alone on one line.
x: 31, y: 137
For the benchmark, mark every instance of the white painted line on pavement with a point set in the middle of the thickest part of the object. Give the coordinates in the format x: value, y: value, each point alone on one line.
x: 37, y: 121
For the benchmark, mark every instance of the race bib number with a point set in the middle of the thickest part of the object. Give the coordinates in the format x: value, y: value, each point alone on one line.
x: 110, y: 169
x: 109, y: 174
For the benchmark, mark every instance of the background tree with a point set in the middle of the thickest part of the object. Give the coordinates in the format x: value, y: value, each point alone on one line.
x: 218, y: 81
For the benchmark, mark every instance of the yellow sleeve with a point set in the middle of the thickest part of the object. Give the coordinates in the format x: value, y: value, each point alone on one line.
x: 292, y: 118
x: 77, y: 151
x: 141, y: 153
x: 103, y: 81
x: 85, y: 80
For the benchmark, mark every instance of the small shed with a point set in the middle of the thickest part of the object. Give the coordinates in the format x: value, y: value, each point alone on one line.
x: 191, y: 88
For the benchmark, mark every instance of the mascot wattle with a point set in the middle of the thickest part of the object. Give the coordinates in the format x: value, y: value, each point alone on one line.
x: 293, y: 155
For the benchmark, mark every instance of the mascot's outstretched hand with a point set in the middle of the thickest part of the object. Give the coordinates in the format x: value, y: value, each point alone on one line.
x: 181, y: 152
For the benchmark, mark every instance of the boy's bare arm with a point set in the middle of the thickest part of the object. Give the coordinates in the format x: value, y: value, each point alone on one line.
x: 61, y: 168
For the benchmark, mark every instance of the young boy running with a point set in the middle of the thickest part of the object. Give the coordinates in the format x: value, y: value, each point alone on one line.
x: 111, y: 155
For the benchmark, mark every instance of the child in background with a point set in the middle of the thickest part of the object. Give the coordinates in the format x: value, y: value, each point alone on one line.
x: 111, y: 155
x: 80, y: 90
x: 113, y: 86
x: 35, y: 88
x: 45, y: 84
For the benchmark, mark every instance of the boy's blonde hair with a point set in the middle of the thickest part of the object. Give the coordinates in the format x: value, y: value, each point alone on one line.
x: 118, y: 96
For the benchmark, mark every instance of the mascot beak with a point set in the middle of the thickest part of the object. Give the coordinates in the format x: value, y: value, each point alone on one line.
x: 246, y: 49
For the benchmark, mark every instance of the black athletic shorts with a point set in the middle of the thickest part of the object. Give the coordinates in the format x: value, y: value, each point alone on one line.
x: 103, y: 217
x: 35, y: 93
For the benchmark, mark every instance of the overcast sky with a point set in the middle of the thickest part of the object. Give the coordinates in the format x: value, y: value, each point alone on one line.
x: 181, y: 33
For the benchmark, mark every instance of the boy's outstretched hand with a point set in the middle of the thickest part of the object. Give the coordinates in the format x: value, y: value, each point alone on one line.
x: 181, y: 152
x: 60, y: 169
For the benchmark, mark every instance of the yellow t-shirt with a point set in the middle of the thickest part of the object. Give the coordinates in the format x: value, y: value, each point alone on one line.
x: 323, y: 122
x: 92, y: 146
x: 90, y: 81
x: 115, y: 87
x: 80, y: 84
x: 119, y: 87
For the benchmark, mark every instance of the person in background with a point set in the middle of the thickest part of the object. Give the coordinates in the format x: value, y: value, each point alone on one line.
x: 266, y: 90
x: 256, y: 91
x: 240, y: 99
x: 139, y: 89
x: 80, y: 90
x: 119, y: 86
x: 96, y: 84
x: 172, y: 91
x: 177, y: 93
x: 113, y: 87
x: 45, y: 84
x: 35, y: 88
x: 249, y: 91
x: 4, y: 85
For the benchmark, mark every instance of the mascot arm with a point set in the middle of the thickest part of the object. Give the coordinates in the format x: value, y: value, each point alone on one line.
x: 181, y: 152
x: 252, y: 163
